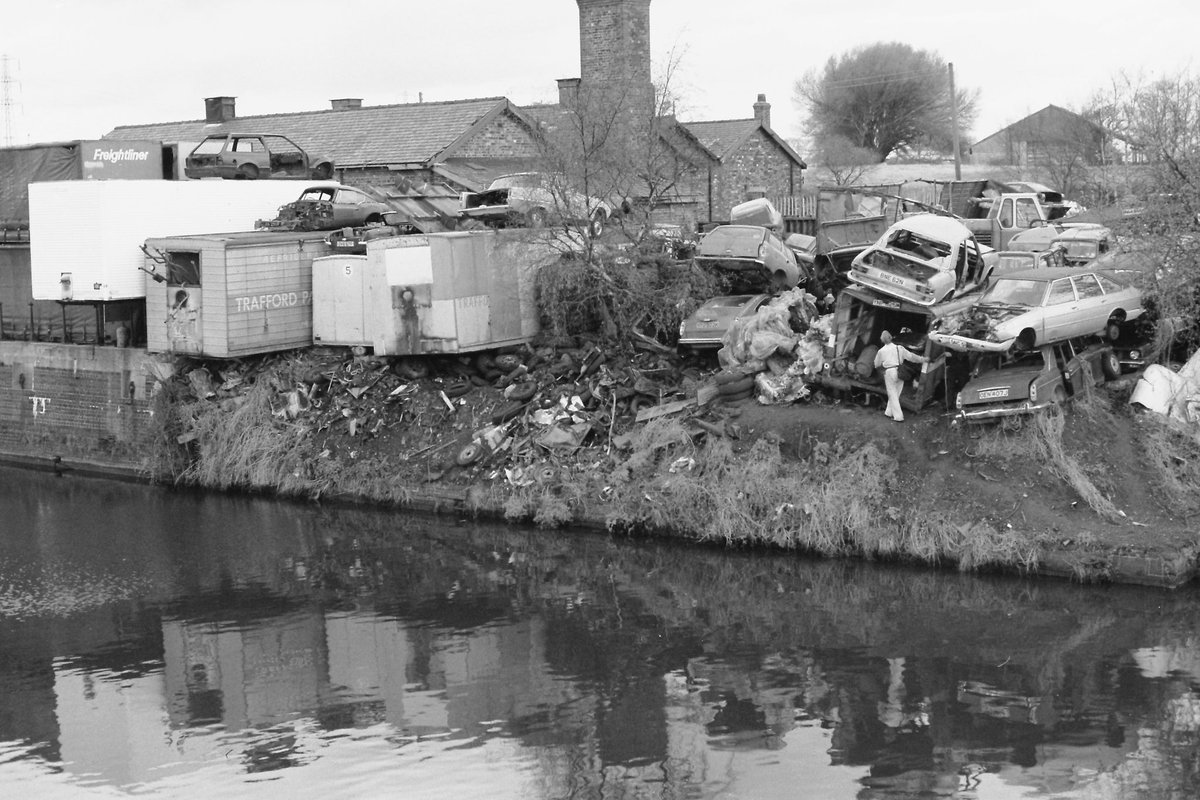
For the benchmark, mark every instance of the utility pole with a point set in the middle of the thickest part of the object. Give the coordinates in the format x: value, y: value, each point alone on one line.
x: 954, y: 125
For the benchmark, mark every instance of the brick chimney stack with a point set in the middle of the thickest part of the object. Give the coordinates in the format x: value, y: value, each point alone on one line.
x: 345, y: 103
x: 614, y: 47
x: 762, y: 111
x: 218, y: 109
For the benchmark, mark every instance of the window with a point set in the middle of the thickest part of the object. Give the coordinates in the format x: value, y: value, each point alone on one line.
x: 247, y: 145
x: 1109, y: 286
x: 210, y: 147
x: 1060, y: 292
x: 1026, y: 212
x: 1087, y: 286
x: 1006, y: 213
x: 183, y: 268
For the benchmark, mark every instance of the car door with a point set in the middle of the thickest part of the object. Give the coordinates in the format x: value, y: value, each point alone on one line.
x: 1060, y: 312
x: 1092, y: 305
x: 1077, y: 372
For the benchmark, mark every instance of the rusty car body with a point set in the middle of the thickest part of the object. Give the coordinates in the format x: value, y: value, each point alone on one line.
x: 249, y: 156
x: 1036, y: 307
x: 924, y: 259
x: 329, y: 206
x: 535, y: 200
x: 1021, y: 382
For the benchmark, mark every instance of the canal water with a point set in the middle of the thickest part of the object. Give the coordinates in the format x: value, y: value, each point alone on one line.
x: 158, y: 643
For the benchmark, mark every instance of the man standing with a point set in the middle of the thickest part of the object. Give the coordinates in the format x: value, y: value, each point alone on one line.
x: 889, y: 358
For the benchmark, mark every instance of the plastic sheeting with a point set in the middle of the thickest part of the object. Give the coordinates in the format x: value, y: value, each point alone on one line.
x: 1175, y: 394
x: 20, y: 166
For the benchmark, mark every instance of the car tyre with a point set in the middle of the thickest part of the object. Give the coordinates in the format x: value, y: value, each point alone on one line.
x: 323, y: 171
x: 1112, y: 331
x: 743, y: 384
x: 507, y: 362
x: 410, y: 369
x: 457, y: 388
x: 597, y: 226
x: 469, y: 454
x: 1110, y: 365
x: 522, y: 392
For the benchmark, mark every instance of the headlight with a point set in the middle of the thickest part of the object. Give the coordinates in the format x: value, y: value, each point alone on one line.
x: 682, y: 328
x: 1033, y: 391
x: 1135, y: 355
x: 958, y: 401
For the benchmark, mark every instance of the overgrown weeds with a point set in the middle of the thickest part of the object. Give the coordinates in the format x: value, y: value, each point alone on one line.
x: 1172, y: 451
x: 1048, y: 441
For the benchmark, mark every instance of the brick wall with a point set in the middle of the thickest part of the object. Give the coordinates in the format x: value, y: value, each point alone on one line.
x: 503, y: 138
x: 75, y: 401
x: 758, y: 165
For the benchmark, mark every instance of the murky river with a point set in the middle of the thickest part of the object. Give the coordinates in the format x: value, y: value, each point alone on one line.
x: 166, y: 644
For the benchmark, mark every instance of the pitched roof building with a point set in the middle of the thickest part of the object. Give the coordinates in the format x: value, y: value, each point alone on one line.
x: 1043, y: 138
x: 434, y: 150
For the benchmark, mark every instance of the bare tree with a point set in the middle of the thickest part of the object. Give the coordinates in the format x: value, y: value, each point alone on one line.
x: 885, y: 97
x: 1159, y: 123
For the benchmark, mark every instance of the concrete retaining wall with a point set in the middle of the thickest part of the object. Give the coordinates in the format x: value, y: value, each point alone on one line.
x: 77, y: 401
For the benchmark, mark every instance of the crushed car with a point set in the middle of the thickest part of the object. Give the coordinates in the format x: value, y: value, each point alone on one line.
x: 1083, y: 245
x: 1020, y: 382
x: 705, y: 328
x: 535, y: 200
x: 755, y: 255
x: 329, y: 206
x: 1041, y: 306
x: 250, y: 156
x: 924, y: 259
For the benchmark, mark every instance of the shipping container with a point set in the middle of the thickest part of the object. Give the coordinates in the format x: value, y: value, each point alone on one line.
x: 436, y: 293
x: 232, y: 294
x: 86, y: 235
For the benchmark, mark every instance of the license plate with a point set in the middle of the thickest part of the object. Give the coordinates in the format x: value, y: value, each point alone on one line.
x: 706, y: 325
x: 892, y: 278
x: 993, y: 394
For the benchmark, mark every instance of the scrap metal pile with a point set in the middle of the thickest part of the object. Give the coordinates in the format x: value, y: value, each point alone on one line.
x: 517, y: 415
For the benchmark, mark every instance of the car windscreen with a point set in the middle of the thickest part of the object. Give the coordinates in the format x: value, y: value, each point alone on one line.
x: 1011, y: 262
x: 209, y: 147
x: 1010, y: 291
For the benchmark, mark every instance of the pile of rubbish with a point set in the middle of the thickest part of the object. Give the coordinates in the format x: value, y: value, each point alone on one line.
x: 782, y: 345
x: 519, y: 415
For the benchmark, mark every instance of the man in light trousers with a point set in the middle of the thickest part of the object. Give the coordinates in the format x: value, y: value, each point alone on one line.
x: 889, y: 358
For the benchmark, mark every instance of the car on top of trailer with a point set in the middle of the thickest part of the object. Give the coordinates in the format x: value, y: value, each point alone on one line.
x: 249, y: 156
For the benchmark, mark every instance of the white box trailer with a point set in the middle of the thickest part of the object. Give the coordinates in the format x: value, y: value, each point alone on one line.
x: 437, y: 293
x: 228, y: 295
x: 85, y: 235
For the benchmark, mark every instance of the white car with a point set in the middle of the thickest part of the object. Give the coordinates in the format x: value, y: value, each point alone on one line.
x: 924, y: 259
x: 535, y: 199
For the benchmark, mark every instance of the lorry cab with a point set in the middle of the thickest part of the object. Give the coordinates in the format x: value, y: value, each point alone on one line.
x: 995, y: 220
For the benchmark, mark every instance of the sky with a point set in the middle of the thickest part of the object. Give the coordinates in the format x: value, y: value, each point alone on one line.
x: 76, y: 69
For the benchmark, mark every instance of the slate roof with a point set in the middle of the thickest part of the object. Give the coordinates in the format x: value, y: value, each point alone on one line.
x: 724, y: 136
x: 411, y: 133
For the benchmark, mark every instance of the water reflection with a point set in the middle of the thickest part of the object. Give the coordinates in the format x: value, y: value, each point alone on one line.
x: 166, y: 643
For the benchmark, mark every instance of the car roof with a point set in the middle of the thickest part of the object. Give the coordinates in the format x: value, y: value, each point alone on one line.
x: 1043, y: 274
x: 934, y: 226
x: 1084, y: 233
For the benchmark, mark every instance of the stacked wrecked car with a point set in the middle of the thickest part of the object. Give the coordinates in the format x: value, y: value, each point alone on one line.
x: 1003, y: 333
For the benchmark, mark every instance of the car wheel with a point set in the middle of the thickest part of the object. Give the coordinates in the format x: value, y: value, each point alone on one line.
x: 410, y: 369
x: 1112, y: 330
x: 536, y: 218
x: 374, y: 219
x: 1110, y: 365
x: 469, y: 455
x: 521, y: 392
x: 597, y: 226
x: 248, y: 172
x: 322, y: 172
x: 507, y: 362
